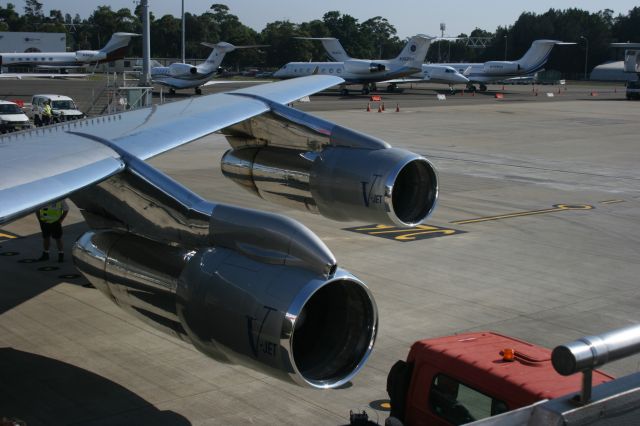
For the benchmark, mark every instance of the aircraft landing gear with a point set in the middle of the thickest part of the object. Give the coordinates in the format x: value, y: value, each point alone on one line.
x: 365, y: 89
x: 483, y: 87
x: 452, y: 91
x: 172, y: 91
x: 471, y: 87
x: 198, y: 91
x: 392, y: 87
x: 344, y: 91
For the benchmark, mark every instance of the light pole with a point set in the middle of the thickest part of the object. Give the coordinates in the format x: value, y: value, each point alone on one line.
x: 586, y: 55
x: 183, y: 26
x: 443, y: 27
x: 505, y: 47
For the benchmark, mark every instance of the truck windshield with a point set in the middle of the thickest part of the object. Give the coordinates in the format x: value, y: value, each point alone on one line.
x: 459, y: 404
x: 10, y: 109
x: 63, y: 105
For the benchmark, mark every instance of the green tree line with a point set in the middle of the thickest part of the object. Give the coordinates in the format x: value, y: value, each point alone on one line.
x: 373, y: 38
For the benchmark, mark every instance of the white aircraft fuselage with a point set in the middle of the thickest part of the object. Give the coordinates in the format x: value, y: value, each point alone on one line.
x: 299, y: 69
x: 114, y: 49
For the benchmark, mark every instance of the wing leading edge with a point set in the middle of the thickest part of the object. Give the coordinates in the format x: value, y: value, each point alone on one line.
x: 43, y: 165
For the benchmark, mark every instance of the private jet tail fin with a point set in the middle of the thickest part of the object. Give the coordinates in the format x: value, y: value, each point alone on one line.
x: 117, y: 42
x: 332, y: 46
x: 217, y: 54
x: 537, y: 55
x: 415, y: 51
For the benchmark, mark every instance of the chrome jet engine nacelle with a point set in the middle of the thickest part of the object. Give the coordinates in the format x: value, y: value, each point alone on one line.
x: 500, y: 67
x: 90, y: 55
x: 358, y: 66
x: 303, y: 326
x: 181, y: 69
x: 298, y: 160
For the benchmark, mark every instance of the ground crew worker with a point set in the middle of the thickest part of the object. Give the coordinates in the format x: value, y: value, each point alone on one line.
x: 47, y: 112
x: 50, y: 218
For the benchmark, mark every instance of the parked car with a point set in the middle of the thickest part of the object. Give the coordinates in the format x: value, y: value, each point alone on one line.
x: 12, y: 117
x: 63, y: 108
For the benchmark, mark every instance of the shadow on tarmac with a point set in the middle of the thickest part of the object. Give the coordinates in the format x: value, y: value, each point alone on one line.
x: 43, y: 391
x: 23, y: 278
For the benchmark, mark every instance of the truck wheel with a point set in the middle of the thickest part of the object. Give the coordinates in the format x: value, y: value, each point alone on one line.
x: 398, y: 382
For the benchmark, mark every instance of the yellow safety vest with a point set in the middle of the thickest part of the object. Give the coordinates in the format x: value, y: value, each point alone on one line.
x: 52, y: 213
x: 47, y: 110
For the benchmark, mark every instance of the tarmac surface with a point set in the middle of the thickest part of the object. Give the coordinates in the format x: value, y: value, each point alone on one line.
x: 543, y: 194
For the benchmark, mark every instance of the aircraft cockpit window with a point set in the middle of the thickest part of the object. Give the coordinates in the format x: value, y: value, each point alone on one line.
x: 339, y: 70
x: 331, y: 70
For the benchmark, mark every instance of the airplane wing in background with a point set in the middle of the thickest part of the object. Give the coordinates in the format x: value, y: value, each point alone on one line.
x: 33, y: 174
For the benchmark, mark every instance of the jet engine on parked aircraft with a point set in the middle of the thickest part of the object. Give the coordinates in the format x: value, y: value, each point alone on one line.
x: 289, y: 322
x: 382, y: 186
x: 180, y: 69
x: 248, y: 287
x: 298, y: 160
x: 500, y: 67
x: 90, y: 55
x: 358, y: 66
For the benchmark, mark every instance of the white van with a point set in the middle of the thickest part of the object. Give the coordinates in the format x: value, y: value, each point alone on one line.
x: 63, y: 108
x: 12, y: 118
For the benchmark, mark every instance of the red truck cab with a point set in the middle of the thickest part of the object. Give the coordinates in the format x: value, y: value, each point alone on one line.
x: 459, y: 379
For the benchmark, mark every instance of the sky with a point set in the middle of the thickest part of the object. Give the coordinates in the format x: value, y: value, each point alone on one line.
x: 409, y: 17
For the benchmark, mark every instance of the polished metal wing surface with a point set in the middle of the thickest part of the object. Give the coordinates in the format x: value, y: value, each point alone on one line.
x: 243, y: 286
x: 46, y: 164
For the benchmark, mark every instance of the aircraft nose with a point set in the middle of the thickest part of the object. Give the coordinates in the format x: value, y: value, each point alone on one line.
x: 462, y: 79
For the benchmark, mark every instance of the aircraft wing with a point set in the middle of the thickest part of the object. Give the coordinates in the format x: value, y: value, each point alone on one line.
x: 213, y: 82
x: 46, y: 164
x: 20, y: 76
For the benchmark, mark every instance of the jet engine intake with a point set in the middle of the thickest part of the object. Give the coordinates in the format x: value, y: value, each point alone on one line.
x: 500, y: 67
x: 288, y: 322
x: 341, y: 183
x: 181, y: 69
x: 357, y: 66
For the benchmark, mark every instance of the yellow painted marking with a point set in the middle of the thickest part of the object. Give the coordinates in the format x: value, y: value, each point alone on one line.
x: 386, y: 405
x: 375, y: 228
x: 611, y: 201
x: 412, y: 236
x: 3, y: 235
x: 556, y: 208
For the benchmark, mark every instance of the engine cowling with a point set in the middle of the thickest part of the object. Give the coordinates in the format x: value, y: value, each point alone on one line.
x: 289, y: 322
x: 90, y: 55
x: 181, y: 69
x: 363, y: 67
x: 383, y: 185
x: 500, y: 67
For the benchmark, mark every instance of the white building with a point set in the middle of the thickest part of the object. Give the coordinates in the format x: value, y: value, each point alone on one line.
x: 17, y: 42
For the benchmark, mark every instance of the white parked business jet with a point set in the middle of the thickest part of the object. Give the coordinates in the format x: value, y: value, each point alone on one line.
x: 114, y: 49
x: 186, y: 76
x: 430, y: 73
x: 533, y: 61
x: 364, y: 71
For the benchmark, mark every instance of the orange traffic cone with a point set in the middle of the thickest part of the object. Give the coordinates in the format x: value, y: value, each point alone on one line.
x: 503, y: 87
x: 383, y: 106
x: 397, y: 108
x: 462, y: 92
x: 473, y: 93
x: 368, y: 107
